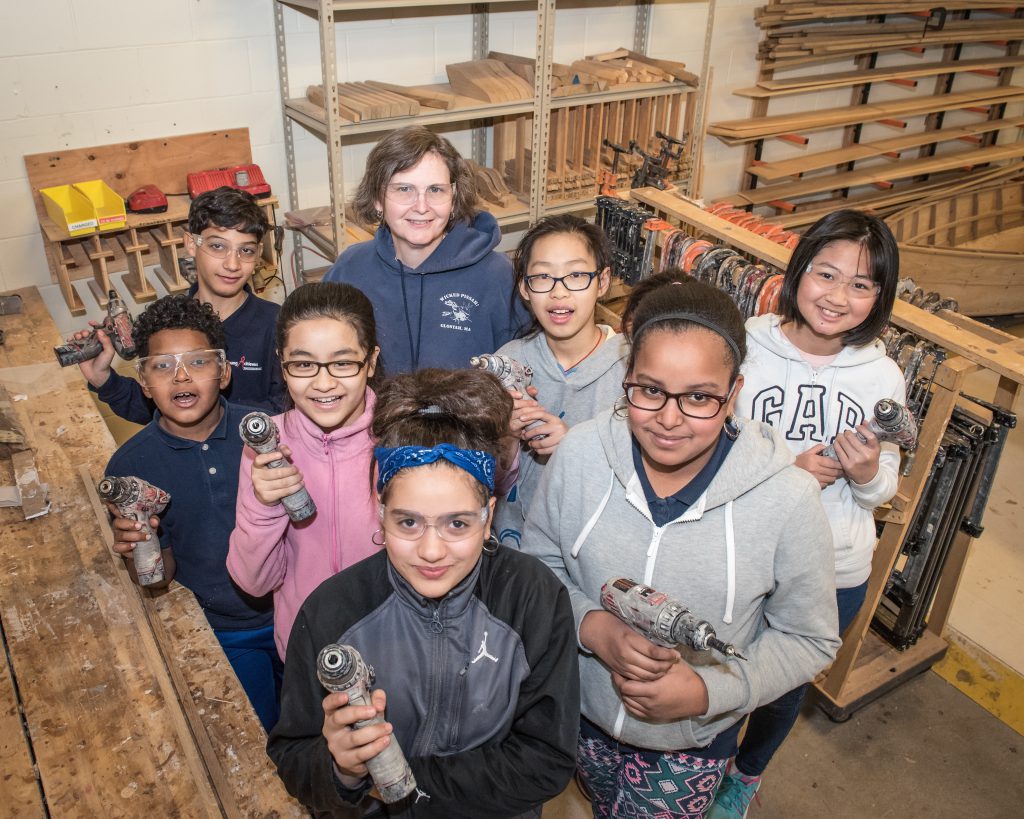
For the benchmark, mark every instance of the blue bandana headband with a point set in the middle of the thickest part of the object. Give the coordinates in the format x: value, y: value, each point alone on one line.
x: 476, y: 462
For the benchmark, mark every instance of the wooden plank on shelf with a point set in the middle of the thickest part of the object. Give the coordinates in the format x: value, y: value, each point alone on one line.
x: 675, y: 69
x: 882, y: 173
x: 748, y: 130
x: 428, y: 97
x: 770, y: 171
x: 839, y: 79
x: 488, y: 80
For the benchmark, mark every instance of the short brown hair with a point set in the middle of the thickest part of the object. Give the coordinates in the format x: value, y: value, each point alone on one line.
x: 401, y: 150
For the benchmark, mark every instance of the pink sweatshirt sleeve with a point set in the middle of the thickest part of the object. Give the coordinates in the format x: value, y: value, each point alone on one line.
x: 257, y: 552
x: 504, y: 479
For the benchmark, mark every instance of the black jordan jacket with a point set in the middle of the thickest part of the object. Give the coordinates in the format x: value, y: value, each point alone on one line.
x: 482, y: 688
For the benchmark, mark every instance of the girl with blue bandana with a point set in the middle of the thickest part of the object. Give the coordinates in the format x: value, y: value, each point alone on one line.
x: 473, y: 644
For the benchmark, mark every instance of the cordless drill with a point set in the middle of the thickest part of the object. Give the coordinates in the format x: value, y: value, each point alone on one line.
x: 659, y: 618
x: 513, y: 375
x: 118, y: 325
x: 139, y: 500
x: 259, y: 431
x: 342, y: 668
x: 892, y: 422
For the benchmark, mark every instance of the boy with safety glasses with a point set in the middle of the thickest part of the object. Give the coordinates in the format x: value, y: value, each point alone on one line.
x: 225, y: 228
x: 192, y: 450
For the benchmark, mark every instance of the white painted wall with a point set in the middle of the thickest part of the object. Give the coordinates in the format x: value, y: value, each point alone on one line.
x: 75, y: 73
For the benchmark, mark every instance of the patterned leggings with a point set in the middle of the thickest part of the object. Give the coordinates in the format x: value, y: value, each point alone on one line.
x: 646, y: 785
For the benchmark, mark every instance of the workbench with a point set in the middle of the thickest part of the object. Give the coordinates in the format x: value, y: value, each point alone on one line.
x: 113, y: 701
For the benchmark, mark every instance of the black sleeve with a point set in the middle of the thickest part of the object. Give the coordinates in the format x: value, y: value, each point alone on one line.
x: 125, y: 398
x: 297, y: 745
x: 535, y: 761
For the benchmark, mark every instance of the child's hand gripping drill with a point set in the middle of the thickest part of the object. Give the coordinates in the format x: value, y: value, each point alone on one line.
x: 341, y: 669
x: 661, y: 619
x: 517, y: 378
x: 891, y: 422
x: 86, y: 345
x: 136, y: 500
x: 259, y: 431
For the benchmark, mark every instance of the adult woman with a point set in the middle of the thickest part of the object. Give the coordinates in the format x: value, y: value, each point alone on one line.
x: 435, y: 250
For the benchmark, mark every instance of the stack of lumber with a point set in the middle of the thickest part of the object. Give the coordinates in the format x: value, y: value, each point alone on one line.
x: 880, y: 173
x: 790, y: 47
x: 798, y: 11
x: 358, y: 101
x: 488, y: 80
x: 841, y: 79
x: 490, y: 185
x: 733, y: 132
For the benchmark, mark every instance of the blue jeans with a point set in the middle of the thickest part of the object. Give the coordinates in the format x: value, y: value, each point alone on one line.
x: 255, y: 661
x: 769, y: 725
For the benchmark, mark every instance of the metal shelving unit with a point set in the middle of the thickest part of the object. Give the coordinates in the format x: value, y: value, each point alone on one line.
x: 328, y: 123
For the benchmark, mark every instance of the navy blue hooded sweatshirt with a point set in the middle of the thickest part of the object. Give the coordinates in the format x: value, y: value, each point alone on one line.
x: 457, y: 304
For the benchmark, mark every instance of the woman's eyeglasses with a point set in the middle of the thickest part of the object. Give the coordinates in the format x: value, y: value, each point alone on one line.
x: 403, y: 194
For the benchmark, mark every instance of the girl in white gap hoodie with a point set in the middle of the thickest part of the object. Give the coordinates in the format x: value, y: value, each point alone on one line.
x: 815, y: 373
x: 667, y: 491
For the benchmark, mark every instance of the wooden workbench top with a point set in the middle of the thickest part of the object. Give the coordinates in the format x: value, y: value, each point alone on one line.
x: 129, y: 706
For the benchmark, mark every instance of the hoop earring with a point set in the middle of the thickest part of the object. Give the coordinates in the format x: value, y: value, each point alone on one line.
x: 732, y: 431
x: 491, y: 544
x: 377, y: 538
x: 620, y: 407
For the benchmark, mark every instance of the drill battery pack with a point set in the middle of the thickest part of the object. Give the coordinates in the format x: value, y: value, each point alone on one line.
x: 247, y: 178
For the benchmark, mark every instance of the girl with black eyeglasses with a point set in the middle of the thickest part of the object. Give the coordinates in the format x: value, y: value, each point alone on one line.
x: 327, y: 343
x: 670, y: 490
x: 562, y: 267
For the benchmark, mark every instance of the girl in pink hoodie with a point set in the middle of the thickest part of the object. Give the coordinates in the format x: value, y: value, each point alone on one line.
x: 327, y: 343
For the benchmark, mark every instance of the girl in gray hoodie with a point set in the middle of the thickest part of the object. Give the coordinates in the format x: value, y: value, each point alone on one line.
x: 668, y: 490
x: 562, y: 267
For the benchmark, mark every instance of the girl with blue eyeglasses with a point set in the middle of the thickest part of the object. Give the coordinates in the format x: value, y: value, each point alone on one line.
x: 562, y: 267
x: 472, y: 644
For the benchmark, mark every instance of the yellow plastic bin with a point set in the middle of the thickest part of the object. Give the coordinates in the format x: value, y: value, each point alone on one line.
x: 109, y: 207
x: 70, y: 209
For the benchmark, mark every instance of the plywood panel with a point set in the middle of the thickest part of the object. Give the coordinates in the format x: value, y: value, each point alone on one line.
x: 126, y: 166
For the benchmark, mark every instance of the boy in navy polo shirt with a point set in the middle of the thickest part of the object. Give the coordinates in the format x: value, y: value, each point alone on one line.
x: 225, y: 227
x: 192, y: 450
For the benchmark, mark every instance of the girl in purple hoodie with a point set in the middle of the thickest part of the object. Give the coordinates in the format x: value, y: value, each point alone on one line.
x: 327, y: 343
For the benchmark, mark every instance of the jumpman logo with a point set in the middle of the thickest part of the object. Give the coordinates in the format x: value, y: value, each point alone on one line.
x: 483, y: 652
x: 421, y: 795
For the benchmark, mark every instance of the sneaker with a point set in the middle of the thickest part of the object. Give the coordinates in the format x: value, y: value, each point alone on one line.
x: 733, y: 798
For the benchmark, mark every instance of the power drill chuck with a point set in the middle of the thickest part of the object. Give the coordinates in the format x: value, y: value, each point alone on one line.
x: 259, y: 431
x: 118, y: 325
x: 342, y: 668
x: 661, y: 619
x: 139, y: 500
x: 890, y: 422
x: 513, y: 375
